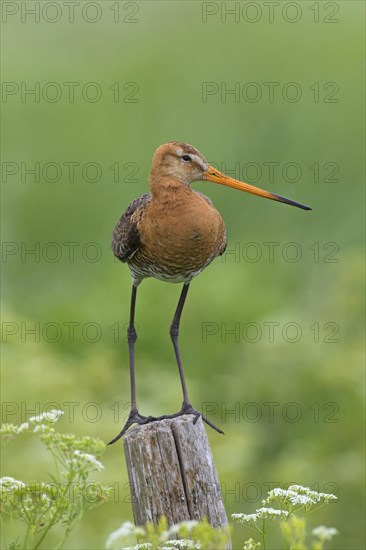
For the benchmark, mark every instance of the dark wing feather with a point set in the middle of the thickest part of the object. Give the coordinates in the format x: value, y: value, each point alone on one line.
x: 223, y: 248
x: 126, y: 238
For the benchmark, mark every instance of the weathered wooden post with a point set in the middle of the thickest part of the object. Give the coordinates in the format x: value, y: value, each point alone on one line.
x: 172, y: 473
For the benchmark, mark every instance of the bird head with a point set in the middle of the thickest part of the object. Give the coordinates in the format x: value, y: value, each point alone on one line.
x: 184, y: 163
x: 180, y: 161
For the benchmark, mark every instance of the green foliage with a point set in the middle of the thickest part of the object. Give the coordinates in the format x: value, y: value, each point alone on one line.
x: 186, y: 535
x: 39, y: 506
x: 197, y: 535
x: 169, y: 53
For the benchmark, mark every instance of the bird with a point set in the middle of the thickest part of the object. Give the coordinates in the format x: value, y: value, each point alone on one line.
x: 172, y: 234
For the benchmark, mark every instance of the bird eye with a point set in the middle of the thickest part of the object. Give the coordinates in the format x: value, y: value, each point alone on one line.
x: 186, y: 158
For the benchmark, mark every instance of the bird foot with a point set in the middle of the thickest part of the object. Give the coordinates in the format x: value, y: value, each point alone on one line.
x: 133, y: 418
x: 188, y: 409
x: 136, y: 418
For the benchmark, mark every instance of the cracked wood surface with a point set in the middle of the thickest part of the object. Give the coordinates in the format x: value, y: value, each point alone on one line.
x: 172, y: 473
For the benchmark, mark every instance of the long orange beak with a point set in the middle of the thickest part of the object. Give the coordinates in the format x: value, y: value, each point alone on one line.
x: 212, y: 174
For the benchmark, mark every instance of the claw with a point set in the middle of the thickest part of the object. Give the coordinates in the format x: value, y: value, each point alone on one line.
x: 134, y: 418
x: 188, y: 409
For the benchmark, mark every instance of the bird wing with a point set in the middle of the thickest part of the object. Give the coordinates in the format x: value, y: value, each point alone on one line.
x: 207, y: 199
x: 126, y: 238
x: 224, y: 244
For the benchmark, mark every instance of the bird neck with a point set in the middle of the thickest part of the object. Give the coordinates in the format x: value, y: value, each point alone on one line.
x: 164, y: 187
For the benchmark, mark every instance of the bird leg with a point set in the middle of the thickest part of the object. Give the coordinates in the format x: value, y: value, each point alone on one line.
x: 134, y: 417
x: 174, y: 333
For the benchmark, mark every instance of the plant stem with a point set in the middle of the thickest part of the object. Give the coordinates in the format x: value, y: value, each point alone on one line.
x: 55, y: 459
x: 25, y: 544
x: 67, y: 532
x: 264, y: 534
x: 55, y: 517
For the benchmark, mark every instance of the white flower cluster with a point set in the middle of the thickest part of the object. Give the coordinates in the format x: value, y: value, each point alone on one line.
x: 181, y: 544
x: 42, y: 429
x: 188, y: 525
x: 261, y: 513
x: 9, y: 484
x: 12, y: 429
x: 127, y: 529
x: 324, y: 533
x: 182, y: 529
x: 297, y: 495
x: 23, y: 427
x: 48, y: 416
x: 250, y: 544
x: 87, y: 460
x: 37, y: 500
x: 143, y: 546
x: 35, y: 422
x: 34, y: 495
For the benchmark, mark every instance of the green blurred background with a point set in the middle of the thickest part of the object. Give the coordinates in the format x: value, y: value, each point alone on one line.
x: 168, y: 52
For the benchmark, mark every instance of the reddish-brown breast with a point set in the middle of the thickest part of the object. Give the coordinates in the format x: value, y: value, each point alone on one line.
x: 179, y: 234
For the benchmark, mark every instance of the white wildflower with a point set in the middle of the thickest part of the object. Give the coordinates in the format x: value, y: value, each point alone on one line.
x: 297, y: 495
x: 23, y: 427
x: 324, y: 533
x: 327, y: 497
x: 8, y: 429
x: 181, y: 544
x: 49, y: 416
x: 117, y: 537
x: 45, y: 498
x: 250, y: 544
x: 244, y: 518
x: 9, y: 484
x: 41, y: 428
x: 28, y: 504
x: 87, y: 460
x: 299, y: 489
x: 189, y: 525
x: 271, y: 513
x: 261, y: 513
x: 290, y: 496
